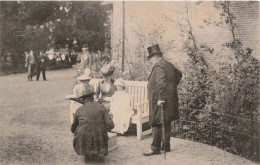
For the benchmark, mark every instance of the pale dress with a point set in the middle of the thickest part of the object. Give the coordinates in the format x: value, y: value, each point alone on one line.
x: 77, y: 92
x: 121, y: 111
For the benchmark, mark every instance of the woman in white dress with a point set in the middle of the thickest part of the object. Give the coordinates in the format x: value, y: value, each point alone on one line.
x: 120, y: 108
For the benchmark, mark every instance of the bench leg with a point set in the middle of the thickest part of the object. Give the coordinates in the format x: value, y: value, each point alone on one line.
x: 139, y: 130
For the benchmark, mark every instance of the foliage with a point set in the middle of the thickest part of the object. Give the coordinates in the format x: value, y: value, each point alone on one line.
x: 7, y: 68
x: 43, y: 25
x: 229, y: 116
x: 82, y: 21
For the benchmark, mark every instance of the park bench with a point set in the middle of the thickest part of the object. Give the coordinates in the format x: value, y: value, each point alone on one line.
x: 139, y: 103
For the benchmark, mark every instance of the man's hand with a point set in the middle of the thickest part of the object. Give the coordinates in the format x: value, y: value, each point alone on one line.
x: 110, y: 114
x: 108, y: 99
x: 160, y: 102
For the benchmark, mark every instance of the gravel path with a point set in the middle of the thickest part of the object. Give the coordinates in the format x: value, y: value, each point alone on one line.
x: 35, y: 129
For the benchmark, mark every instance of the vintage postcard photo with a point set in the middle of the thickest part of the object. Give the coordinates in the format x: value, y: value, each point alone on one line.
x: 129, y: 82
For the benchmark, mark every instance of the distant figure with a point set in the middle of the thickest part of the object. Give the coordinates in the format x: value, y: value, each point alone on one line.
x: 120, y: 108
x: 87, y: 60
x: 90, y: 126
x: 41, y: 66
x: 162, y: 90
x: 30, y: 63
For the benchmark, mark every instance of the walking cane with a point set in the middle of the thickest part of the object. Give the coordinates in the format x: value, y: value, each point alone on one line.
x: 163, y: 131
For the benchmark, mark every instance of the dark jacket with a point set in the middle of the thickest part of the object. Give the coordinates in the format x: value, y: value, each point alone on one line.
x: 42, y: 62
x: 90, y: 127
x: 162, y: 85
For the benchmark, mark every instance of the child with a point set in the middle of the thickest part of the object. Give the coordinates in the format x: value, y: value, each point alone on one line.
x: 120, y: 108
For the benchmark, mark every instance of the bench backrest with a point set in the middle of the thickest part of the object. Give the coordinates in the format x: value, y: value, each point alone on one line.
x: 136, y: 89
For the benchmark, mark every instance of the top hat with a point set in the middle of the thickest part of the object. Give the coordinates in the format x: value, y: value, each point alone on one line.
x: 120, y: 82
x: 153, y: 50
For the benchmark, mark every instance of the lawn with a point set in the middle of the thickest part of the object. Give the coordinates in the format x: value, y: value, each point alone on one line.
x: 35, y: 129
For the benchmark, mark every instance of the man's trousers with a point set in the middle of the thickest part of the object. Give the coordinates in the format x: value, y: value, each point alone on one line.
x: 39, y: 72
x: 157, y: 136
x: 31, y: 68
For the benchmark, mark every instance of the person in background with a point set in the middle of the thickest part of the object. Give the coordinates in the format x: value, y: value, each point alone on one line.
x: 41, y: 66
x: 90, y: 127
x: 85, y: 58
x: 120, y: 108
x: 30, y: 64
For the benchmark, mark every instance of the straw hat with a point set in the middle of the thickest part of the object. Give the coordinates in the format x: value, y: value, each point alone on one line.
x: 120, y: 82
x: 85, y: 76
x: 86, y: 93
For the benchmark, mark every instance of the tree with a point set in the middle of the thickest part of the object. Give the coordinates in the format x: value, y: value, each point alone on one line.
x: 82, y: 21
x: 42, y: 25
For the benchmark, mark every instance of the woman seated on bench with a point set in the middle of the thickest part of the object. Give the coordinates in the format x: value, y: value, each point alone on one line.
x: 106, y: 87
x: 120, y: 108
x: 77, y: 91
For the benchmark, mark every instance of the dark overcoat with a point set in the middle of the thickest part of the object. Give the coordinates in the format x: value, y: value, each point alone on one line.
x: 162, y: 85
x: 42, y: 62
x: 90, y: 126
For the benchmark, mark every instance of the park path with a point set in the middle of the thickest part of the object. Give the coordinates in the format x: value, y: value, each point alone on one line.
x: 35, y: 129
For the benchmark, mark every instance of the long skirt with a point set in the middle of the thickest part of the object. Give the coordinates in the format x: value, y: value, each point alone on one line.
x: 91, y: 139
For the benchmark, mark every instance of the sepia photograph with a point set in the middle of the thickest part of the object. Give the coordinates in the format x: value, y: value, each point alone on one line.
x: 129, y: 82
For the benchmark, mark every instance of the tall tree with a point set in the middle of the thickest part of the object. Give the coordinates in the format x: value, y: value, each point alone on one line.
x: 82, y: 21
x: 41, y: 25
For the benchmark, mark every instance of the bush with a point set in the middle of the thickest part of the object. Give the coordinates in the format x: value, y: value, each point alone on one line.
x: 58, y: 66
x: 224, y: 105
x: 5, y: 68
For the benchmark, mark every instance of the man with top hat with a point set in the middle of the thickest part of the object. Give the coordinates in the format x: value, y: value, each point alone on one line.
x: 90, y: 127
x: 163, y: 97
x: 77, y: 91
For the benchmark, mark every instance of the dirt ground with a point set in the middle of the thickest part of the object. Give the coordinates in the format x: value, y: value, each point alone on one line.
x: 35, y: 129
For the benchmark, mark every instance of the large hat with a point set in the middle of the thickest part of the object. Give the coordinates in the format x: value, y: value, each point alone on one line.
x: 120, y: 82
x: 85, y: 76
x: 86, y: 93
x: 153, y: 50
x: 85, y: 47
x: 107, y: 69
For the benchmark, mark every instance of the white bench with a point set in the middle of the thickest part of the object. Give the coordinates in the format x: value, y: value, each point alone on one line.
x: 139, y: 103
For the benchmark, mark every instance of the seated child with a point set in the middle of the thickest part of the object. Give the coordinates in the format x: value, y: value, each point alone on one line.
x: 120, y: 108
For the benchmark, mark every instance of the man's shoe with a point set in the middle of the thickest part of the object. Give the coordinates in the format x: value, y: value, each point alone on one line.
x: 167, y: 149
x: 152, y: 153
x: 99, y: 158
x: 88, y: 159
x: 45, y: 80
